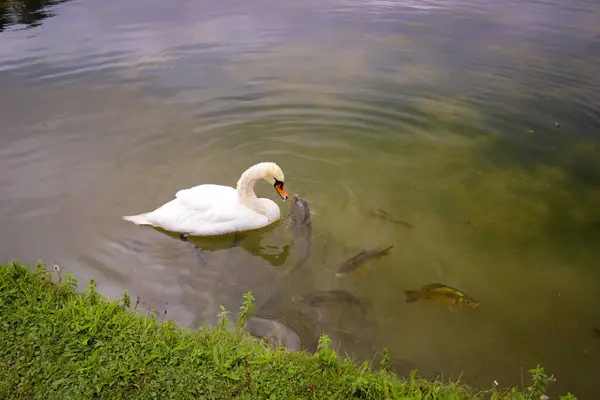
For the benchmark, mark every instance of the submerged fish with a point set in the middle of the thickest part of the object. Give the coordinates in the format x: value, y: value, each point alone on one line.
x: 442, y: 294
x: 318, y: 298
x: 299, y: 216
x: 275, y: 333
x: 597, y: 332
x: 382, y: 214
x: 299, y: 220
x: 362, y: 258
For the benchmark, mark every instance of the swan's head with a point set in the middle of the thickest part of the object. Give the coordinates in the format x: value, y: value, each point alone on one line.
x: 274, y: 175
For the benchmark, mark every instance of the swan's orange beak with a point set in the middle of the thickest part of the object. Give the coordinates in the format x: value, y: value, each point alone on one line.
x: 279, y: 187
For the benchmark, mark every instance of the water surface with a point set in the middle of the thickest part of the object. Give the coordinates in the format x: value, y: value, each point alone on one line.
x: 475, y: 122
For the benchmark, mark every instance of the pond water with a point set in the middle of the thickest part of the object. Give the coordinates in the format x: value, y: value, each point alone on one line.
x: 475, y: 122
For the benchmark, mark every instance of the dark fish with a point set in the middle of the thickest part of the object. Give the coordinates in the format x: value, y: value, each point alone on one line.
x: 382, y: 214
x: 299, y: 220
x: 597, y: 332
x: 441, y: 294
x: 274, y: 332
x: 299, y: 215
x: 361, y: 258
x: 316, y: 299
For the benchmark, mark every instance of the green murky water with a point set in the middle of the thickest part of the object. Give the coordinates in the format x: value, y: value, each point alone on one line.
x: 443, y: 113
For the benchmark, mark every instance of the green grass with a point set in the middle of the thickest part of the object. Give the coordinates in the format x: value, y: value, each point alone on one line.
x: 56, y: 343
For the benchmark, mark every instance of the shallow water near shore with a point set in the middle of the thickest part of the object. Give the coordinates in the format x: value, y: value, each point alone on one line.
x: 474, y: 122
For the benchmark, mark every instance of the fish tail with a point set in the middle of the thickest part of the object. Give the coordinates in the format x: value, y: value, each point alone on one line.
x: 411, y: 296
x: 386, y: 251
x: 364, y: 304
x: 363, y: 308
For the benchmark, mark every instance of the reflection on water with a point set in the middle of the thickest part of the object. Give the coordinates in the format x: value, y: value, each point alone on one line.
x: 443, y: 114
x: 25, y: 12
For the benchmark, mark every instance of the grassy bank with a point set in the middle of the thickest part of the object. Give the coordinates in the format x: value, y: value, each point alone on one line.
x: 56, y: 343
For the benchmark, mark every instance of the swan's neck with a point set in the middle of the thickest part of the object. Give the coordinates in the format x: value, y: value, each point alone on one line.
x: 245, y: 188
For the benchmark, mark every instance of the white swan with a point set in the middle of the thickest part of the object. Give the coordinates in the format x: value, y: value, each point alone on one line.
x: 210, y: 210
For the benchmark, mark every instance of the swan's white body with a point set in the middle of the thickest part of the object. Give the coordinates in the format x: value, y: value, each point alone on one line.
x: 210, y: 210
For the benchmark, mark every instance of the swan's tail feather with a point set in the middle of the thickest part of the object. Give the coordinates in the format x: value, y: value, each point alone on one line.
x: 139, y: 219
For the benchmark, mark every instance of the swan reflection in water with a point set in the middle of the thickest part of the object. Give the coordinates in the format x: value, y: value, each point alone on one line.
x: 275, y: 254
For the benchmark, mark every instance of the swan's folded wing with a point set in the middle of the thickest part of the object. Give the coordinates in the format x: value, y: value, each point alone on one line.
x: 207, y: 210
x: 217, y: 206
x: 205, y: 197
